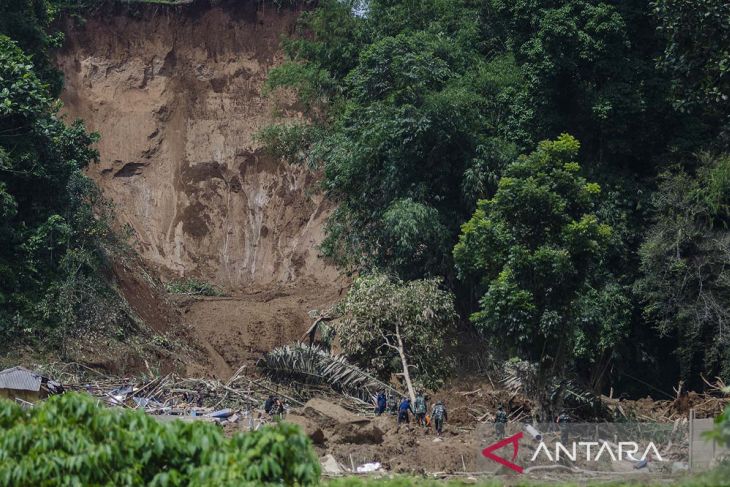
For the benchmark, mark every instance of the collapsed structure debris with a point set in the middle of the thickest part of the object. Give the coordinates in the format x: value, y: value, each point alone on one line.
x: 327, y: 398
x: 23, y: 385
x: 240, y: 398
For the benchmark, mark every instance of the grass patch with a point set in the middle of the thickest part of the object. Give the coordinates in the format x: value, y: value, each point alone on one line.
x: 193, y: 287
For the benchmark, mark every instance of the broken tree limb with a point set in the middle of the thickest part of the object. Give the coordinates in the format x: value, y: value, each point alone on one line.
x: 404, y: 363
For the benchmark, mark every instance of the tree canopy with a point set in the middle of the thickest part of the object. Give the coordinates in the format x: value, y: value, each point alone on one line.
x: 54, y: 225
x: 534, y: 248
x: 381, y: 314
x: 418, y: 112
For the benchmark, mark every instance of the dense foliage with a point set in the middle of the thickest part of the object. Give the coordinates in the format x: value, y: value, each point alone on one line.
x: 53, y: 222
x: 534, y: 247
x: 72, y: 440
x: 379, y: 312
x: 419, y: 110
x: 684, y: 261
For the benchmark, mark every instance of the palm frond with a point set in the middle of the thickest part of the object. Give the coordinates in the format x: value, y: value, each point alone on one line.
x: 314, y: 366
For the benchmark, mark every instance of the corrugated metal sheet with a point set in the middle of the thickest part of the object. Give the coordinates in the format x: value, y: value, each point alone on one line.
x: 20, y: 378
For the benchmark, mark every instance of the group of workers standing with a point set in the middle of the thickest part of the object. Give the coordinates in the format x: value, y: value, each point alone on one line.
x: 439, y: 415
x: 419, y: 409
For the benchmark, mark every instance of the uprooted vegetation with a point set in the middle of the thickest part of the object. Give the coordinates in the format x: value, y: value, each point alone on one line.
x: 193, y: 287
x: 342, y: 428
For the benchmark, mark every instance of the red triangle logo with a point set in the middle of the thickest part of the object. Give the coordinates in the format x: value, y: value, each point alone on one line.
x: 514, y: 439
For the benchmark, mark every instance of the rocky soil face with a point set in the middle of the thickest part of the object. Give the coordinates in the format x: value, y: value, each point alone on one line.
x: 177, y: 98
x: 176, y: 94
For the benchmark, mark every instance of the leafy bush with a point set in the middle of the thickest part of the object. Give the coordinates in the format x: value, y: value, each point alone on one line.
x: 194, y: 287
x: 72, y: 440
x: 289, y: 142
x: 721, y: 433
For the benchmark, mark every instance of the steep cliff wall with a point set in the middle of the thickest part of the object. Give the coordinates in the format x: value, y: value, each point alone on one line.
x: 176, y: 96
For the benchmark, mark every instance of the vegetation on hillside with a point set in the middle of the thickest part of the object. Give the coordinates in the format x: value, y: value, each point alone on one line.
x: 194, y: 287
x: 418, y: 114
x: 536, y: 249
x: 55, y: 234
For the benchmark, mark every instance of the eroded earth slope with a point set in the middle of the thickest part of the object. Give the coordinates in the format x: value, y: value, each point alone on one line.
x: 176, y: 95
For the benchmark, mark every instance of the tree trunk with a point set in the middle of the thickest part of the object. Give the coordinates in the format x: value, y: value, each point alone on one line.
x: 404, y: 363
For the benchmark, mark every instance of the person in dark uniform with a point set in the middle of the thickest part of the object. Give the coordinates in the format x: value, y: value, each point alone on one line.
x: 269, y: 404
x: 564, y: 425
x: 403, y: 409
x: 380, y: 403
x: 438, y: 416
x: 500, y: 422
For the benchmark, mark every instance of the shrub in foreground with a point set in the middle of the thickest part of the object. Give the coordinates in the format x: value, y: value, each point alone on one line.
x: 73, y: 440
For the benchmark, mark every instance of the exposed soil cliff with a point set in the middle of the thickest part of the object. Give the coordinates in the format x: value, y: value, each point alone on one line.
x: 176, y: 95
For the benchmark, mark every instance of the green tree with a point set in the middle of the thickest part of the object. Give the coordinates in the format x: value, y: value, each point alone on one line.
x: 391, y: 326
x: 696, y: 55
x: 28, y: 22
x: 54, y: 224
x: 534, y: 248
x: 412, y: 136
x: 589, y: 70
x: 685, y: 265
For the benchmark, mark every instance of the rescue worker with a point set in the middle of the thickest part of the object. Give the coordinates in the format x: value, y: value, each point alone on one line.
x: 563, y: 423
x: 500, y: 421
x: 380, y: 403
x: 438, y: 416
x: 420, y: 408
x: 405, y: 406
x: 269, y: 404
x: 277, y: 410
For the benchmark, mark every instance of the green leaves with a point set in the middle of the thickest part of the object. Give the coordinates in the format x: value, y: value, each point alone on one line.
x: 685, y: 284
x: 21, y: 92
x: 412, y: 231
x: 696, y: 53
x: 54, y: 224
x: 533, y: 247
x: 72, y: 440
x: 424, y: 313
